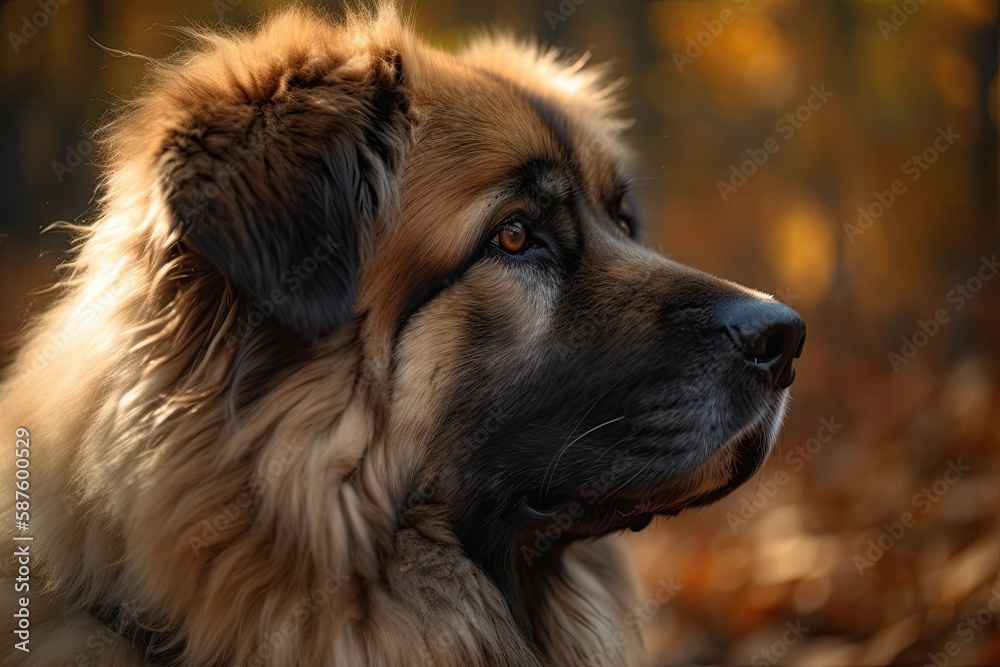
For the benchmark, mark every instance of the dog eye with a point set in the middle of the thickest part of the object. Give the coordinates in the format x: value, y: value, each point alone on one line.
x: 512, y: 237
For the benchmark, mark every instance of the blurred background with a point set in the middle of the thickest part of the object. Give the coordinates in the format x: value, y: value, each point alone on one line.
x: 841, y: 155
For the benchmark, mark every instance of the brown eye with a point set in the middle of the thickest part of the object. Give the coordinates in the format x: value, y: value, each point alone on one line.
x: 512, y: 237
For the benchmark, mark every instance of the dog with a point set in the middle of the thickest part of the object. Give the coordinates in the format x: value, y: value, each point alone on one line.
x: 360, y: 359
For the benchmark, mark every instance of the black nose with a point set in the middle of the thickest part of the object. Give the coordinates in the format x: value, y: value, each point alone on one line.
x: 768, y: 334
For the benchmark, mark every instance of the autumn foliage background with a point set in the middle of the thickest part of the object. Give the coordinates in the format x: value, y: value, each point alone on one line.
x: 872, y: 536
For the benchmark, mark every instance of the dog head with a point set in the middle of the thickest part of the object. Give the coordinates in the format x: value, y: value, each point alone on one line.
x: 466, y: 223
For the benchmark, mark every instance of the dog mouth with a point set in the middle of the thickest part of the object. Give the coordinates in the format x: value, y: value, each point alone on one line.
x: 565, y: 511
x: 580, y: 515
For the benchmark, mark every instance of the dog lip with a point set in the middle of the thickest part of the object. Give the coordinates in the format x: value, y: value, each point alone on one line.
x: 741, y: 455
x: 751, y: 448
x: 631, y: 513
x: 534, y: 515
x: 640, y: 522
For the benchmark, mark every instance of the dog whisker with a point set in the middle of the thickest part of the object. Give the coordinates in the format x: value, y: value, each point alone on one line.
x: 562, y: 450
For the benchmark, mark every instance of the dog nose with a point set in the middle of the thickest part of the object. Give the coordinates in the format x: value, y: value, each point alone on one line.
x: 769, y: 335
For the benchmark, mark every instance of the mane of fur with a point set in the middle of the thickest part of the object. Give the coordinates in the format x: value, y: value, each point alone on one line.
x: 254, y: 518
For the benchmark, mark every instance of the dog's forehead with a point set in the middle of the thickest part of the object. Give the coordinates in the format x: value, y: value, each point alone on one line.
x: 501, y: 104
x: 478, y: 124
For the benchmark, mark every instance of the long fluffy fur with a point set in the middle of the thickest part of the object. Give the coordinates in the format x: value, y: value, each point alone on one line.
x: 244, y: 502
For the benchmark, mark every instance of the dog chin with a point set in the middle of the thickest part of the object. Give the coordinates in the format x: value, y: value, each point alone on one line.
x: 729, y: 466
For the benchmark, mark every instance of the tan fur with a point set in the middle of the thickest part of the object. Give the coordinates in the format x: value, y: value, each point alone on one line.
x: 275, y: 537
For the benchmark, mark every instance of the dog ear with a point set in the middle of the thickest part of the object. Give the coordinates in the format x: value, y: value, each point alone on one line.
x: 277, y: 171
